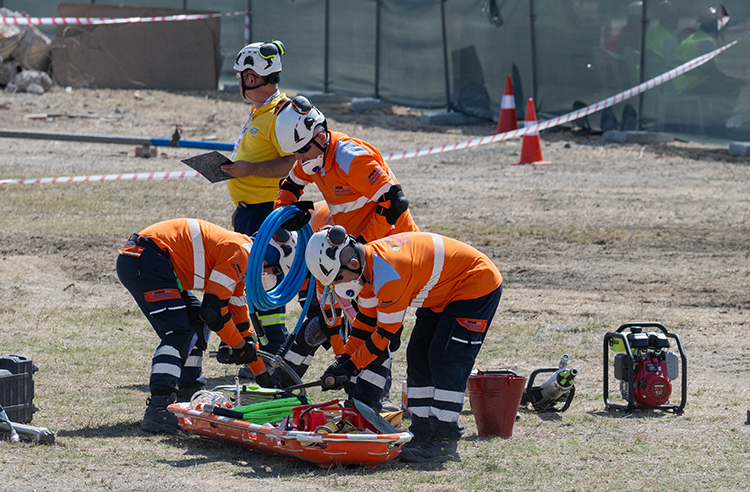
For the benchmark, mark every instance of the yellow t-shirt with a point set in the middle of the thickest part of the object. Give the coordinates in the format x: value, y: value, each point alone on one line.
x: 258, y: 144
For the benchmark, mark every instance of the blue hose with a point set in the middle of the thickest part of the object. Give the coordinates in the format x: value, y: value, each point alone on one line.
x: 257, y: 298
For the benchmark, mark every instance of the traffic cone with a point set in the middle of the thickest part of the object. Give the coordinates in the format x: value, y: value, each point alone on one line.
x: 531, y: 147
x: 507, y: 119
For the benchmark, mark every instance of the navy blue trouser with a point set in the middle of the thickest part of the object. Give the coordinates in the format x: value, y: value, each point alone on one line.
x: 441, y: 354
x: 177, y: 362
x: 247, y: 220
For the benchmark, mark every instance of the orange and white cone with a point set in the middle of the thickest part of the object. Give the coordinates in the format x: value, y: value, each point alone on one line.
x: 531, y: 147
x: 507, y: 120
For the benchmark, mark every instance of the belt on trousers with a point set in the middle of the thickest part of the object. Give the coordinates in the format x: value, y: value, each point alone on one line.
x: 138, y: 239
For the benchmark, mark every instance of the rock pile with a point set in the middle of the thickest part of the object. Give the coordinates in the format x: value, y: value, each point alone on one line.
x: 24, y: 57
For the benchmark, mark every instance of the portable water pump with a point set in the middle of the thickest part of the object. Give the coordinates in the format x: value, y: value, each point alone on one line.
x: 645, y: 367
x: 559, y: 387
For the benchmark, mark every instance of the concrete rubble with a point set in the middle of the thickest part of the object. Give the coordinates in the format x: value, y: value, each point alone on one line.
x: 24, y: 57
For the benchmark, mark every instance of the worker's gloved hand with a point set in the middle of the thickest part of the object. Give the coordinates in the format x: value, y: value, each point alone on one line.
x: 267, y: 380
x: 301, y: 217
x: 361, y: 240
x: 246, y: 354
x: 337, y: 375
x: 224, y: 355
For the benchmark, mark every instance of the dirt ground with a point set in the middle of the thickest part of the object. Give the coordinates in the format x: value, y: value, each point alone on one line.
x: 607, y: 234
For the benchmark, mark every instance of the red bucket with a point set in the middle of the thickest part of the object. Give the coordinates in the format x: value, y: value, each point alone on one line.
x: 495, y: 397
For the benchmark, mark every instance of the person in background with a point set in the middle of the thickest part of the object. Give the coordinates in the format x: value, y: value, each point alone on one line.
x: 456, y: 290
x: 662, y: 39
x: 714, y: 87
x: 160, y: 266
x: 258, y: 161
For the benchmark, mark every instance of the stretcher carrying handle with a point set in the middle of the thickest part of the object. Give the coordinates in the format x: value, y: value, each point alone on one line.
x: 224, y: 412
x: 329, y: 380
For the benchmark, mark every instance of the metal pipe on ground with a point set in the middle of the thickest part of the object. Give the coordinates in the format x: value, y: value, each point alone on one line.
x: 117, y: 139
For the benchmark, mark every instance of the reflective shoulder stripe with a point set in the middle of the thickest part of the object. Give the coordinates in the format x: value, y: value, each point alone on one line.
x: 199, y: 255
x: 397, y: 317
x: 224, y: 280
x: 247, y: 246
x: 437, y: 269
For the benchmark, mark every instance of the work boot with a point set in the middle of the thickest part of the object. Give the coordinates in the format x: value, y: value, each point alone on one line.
x: 186, y: 393
x: 436, y: 451
x: 157, y: 418
x: 421, y: 432
x: 246, y: 373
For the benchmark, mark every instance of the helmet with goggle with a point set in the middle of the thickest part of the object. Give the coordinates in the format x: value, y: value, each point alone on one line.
x: 297, y: 122
x: 713, y: 20
x: 263, y: 58
x: 280, y: 251
x: 323, y: 253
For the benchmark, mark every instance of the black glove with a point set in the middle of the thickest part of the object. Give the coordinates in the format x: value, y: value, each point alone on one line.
x: 225, y: 355
x: 361, y: 240
x: 337, y: 375
x: 267, y: 380
x: 301, y: 217
x: 246, y: 354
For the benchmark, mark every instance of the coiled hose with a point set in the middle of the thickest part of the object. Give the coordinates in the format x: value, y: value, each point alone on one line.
x: 260, y: 300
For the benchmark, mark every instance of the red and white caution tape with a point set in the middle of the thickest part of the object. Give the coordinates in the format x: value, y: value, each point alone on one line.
x: 92, y: 21
x: 611, y: 101
x: 107, y: 177
x: 435, y: 149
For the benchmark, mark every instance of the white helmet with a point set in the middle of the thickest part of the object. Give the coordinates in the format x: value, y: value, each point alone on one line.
x: 323, y: 253
x: 296, y: 120
x: 281, y: 248
x: 263, y: 58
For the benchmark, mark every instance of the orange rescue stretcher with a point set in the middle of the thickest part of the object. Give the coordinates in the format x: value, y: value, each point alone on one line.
x: 302, y: 435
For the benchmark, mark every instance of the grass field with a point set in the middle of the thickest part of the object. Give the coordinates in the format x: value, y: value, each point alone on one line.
x: 606, y: 235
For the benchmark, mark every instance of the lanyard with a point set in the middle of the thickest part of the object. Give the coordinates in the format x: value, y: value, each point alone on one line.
x: 249, y: 121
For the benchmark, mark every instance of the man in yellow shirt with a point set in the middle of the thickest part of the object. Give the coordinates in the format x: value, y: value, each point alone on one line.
x: 258, y: 161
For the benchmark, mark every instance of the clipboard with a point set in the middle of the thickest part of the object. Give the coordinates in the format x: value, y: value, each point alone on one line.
x: 209, y: 165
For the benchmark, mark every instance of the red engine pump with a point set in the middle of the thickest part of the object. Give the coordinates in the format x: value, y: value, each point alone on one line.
x: 651, y: 380
x: 645, y: 367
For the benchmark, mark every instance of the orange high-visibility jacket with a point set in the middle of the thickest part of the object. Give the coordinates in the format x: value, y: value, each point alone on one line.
x: 210, y: 258
x: 416, y: 269
x: 353, y: 178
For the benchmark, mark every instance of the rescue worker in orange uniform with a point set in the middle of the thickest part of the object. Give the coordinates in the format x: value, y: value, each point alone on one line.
x: 360, y: 189
x: 160, y: 266
x: 362, y: 193
x: 456, y: 290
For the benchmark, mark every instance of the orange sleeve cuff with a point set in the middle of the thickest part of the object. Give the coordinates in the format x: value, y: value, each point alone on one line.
x: 284, y: 198
x: 230, y: 335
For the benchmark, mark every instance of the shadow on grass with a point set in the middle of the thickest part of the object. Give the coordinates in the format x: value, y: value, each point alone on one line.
x: 199, y: 450
x: 640, y: 413
x: 123, y: 429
